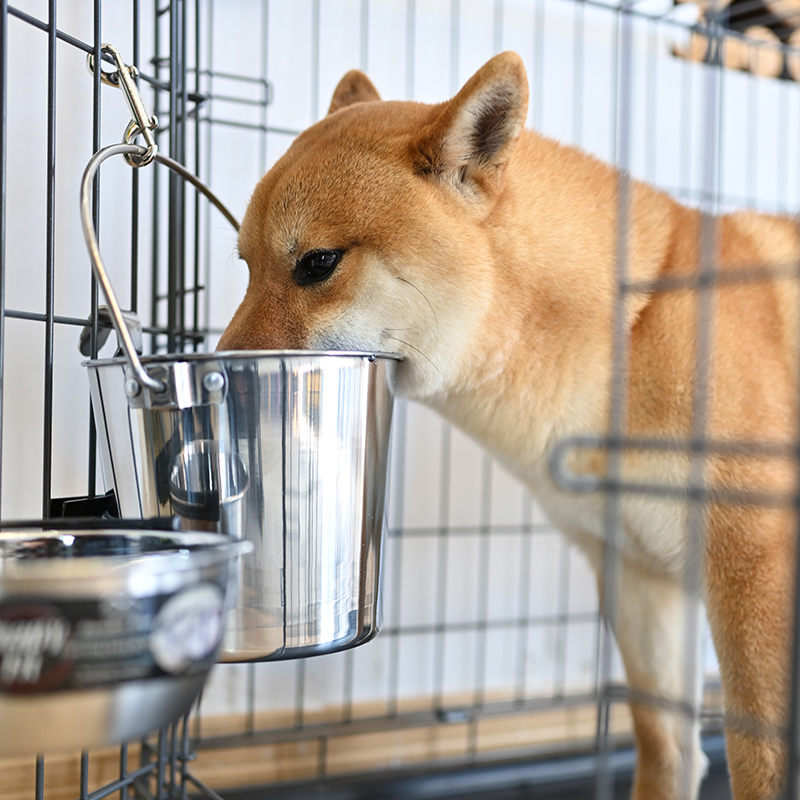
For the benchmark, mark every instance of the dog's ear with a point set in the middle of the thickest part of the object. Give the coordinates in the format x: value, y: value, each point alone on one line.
x: 355, y: 87
x: 475, y: 132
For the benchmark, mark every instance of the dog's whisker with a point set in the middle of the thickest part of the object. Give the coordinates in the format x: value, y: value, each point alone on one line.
x: 430, y: 305
x: 416, y: 349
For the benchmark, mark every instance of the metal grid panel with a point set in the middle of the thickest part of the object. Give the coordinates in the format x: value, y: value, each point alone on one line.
x: 49, y: 292
x: 444, y: 542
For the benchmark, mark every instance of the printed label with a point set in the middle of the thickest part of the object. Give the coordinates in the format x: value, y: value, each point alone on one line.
x: 32, y: 641
x: 188, y: 628
x: 78, y: 644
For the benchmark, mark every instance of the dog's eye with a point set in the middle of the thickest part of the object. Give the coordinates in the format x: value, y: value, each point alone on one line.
x: 316, y: 266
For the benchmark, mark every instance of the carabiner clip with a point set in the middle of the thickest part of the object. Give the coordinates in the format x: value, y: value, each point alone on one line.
x: 142, y: 123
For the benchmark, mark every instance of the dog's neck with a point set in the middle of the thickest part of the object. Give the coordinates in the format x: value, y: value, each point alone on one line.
x: 554, y: 299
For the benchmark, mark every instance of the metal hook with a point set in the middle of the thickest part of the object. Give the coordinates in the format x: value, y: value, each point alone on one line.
x: 109, y: 78
x: 141, y: 122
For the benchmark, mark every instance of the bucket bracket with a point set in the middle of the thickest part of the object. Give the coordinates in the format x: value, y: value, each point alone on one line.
x: 186, y: 385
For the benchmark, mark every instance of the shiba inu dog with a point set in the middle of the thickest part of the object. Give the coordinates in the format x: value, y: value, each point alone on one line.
x: 487, y: 256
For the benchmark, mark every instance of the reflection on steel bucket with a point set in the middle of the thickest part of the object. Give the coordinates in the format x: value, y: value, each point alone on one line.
x: 286, y: 449
x: 206, y: 487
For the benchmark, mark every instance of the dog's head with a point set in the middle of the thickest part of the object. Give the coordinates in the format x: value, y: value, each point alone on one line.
x: 372, y: 231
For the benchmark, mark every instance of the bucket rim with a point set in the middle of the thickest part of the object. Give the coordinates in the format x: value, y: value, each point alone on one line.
x: 249, y: 355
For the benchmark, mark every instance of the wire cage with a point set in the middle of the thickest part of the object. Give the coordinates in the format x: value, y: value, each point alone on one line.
x: 494, y: 670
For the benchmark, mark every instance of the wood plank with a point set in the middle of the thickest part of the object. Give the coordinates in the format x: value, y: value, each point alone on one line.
x: 61, y: 773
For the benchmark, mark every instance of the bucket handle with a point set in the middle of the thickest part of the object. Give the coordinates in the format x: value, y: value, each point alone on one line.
x: 144, y: 380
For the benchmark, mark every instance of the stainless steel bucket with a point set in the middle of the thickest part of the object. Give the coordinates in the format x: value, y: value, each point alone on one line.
x: 288, y: 450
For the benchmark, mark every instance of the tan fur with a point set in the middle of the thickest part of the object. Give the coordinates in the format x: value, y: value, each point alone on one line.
x: 486, y: 255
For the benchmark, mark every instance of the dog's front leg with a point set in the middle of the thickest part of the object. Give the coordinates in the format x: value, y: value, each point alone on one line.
x: 650, y: 625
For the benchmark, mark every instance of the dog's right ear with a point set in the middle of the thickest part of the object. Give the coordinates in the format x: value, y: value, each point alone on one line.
x: 472, y: 137
x: 355, y: 87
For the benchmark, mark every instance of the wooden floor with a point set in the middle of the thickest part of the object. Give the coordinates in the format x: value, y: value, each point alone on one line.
x: 412, y: 762
x: 569, y: 778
